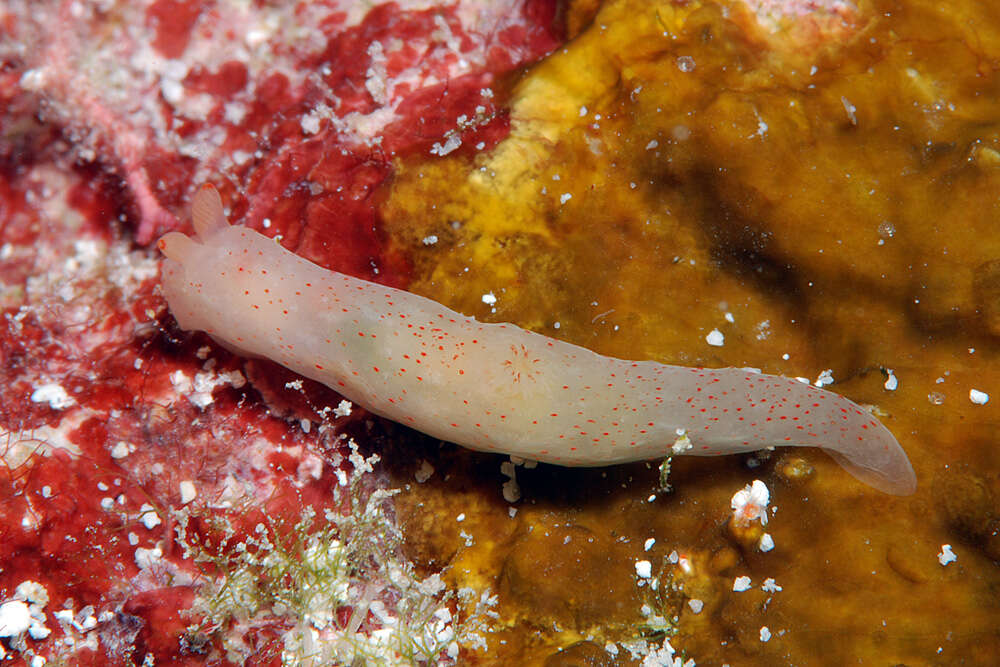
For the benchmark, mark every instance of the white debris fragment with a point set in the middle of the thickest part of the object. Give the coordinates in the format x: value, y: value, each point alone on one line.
x: 489, y: 299
x: 680, y: 561
x: 429, y: 240
x: 188, y: 491
x: 770, y: 586
x: 825, y: 378
x: 15, y: 618
x: 146, y: 558
x: 451, y: 144
x: 120, y: 450
x: 741, y: 584
x: 565, y: 197
x: 715, y: 338
x: 343, y: 408
x: 978, y: 397
x: 891, y: 383
x: 682, y: 443
x: 648, y: 544
x: 644, y: 568
x: 696, y: 605
x: 148, y: 516
x: 32, y: 592
x: 750, y: 503
x: 765, y: 634
x: 947, y: 555
x: 766, y: 542
x: 53, y: 394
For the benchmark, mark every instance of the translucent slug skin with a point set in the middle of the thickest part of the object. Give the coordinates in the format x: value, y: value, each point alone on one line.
x: 494, y: 387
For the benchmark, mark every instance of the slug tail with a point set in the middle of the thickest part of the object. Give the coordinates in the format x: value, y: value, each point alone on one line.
x: 882, y: 464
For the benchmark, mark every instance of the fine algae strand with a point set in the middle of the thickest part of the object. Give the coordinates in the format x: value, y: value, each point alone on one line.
x: 494, y: 387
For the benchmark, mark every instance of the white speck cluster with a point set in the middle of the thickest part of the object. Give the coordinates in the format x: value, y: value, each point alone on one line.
x: 23, y: 616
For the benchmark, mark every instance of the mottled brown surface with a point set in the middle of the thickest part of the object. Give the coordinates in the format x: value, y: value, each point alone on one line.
x: 834, y: 176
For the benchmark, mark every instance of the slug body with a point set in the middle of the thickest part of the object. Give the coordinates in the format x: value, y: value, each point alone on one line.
x: 494, y: 387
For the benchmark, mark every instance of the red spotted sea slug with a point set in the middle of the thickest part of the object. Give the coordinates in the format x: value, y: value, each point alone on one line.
x: 495, y: 387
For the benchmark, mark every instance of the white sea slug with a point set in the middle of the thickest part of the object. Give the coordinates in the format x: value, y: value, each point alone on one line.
x: 494, y: 387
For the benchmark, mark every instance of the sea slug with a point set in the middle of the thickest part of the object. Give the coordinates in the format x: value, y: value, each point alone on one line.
x: 494, y: 387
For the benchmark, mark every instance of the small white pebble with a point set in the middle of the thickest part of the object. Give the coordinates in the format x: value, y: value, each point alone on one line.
x: 565, y: 197
x: 978, y: 397
x: 489, y: 299
x: 188, y: 491
x: 766, y: 542
x: 741, y: 584
x: 765, y: 634
x: 429, y: 240
x: 696, y: 605
x: 644, y: 568
x: 947, y: 555
x: 460, y: 518
x: 648, y: 544
x: 715, y: 338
